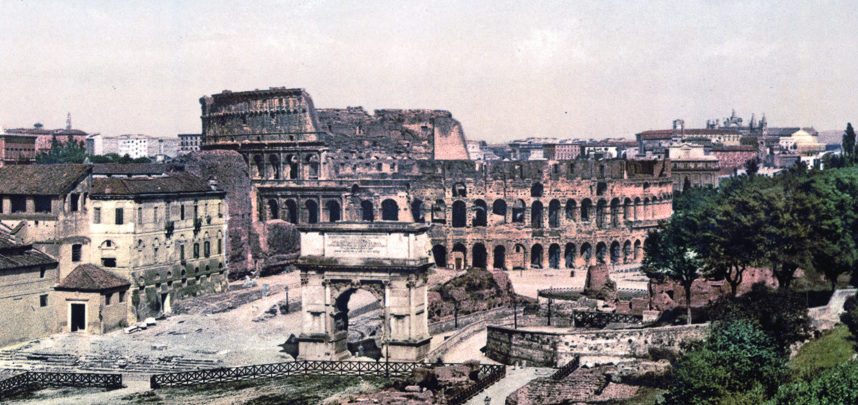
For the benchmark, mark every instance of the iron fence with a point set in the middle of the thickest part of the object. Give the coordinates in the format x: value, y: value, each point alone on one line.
x: 566, y: 369
x: 488, y: 373
x: 33, y: 380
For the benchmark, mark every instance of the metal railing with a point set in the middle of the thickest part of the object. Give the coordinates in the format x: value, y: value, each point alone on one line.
x: 32, y: 380
x: 488, y: 374
x: 566, y: 369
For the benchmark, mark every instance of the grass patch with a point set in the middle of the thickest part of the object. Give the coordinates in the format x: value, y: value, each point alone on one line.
x: 832, y: 349
x: 290, y: 390
x: 644, y: 396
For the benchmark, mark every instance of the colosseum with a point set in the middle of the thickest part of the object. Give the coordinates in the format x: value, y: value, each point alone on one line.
x: 311, y: 165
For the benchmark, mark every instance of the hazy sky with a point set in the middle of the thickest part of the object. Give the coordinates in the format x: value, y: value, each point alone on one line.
x: 505, y: 70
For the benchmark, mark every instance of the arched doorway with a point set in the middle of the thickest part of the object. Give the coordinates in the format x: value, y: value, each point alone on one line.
x: 334, y: 211
x: 554, y: 256
x: 439, y: 253
x: 389, y: 210
x: 498, y: 260
x: 367, y: 212
x: 292, y: 211
x: 460, y: 256
x: 360, y: 314
x: 312, y: 211
x: 615, y: 252
x: 519, y: 257
x: 479, y: 256
x: 273, y: 209
x: 499, y: 211
x: 459, y: 214
x: 587, y: 253
x: 569, y: 255
x: 480, y: 209
x: 554, y: 214
x: 536, y: 256
x: 536, y: 214
x: 601, y: 252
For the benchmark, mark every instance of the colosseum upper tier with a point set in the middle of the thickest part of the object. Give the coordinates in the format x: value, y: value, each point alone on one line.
x: 329, y: 165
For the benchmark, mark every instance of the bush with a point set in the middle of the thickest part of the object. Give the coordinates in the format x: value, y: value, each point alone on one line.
x: 850, y: 317
x: 838, y: 385
x: 738, y: 359
x: 780, y: 314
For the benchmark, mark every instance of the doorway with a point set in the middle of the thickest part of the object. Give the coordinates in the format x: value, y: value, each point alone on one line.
x: 78, y: 317
x: 165, y: 303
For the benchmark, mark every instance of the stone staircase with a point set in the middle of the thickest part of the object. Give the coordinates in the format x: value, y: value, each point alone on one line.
x: 115, y: 363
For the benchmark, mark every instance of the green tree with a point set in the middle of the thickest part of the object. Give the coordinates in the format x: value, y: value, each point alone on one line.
x: 752, y: 166
x: 63, y: 152
x: 848, y: 143
x: 737, y: 358
x: 669, y: 253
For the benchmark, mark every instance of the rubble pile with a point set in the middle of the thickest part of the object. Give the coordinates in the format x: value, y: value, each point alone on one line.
x: 476, y: 290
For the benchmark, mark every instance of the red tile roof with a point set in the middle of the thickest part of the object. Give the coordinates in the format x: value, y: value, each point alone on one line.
x: 15, y: 255
x: 89, y: 277
x: 41, y: 179
x: 173, y: 183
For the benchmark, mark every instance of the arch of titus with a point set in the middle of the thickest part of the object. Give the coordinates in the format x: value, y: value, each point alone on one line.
x: 388, y: 259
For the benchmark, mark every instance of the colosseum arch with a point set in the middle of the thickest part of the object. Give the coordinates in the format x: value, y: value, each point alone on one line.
x: 479, y: 256
x: 536, y: 253
x: 587, y: 253
x: 570, y: 210
x: 459, y: 254
x: 518, y: 211
x: 554, y: 214
x: 417, y: 210
x: 586, y: 208
x: 273, y: 209
x: 389, y: 210
x: 312, y: 211
x: 601, y: 252
x: 460, y: 214
x: 439, y: 253
x: 536, y: 190
x: 627, y: 251
x: 569, y: 255
x: 291, y: 211
x: 499, y: 211
x: 274, y: 162
x: 536, y: 214
x: 439, y: 212
x: 498, y: 257
x: 333, y: 210
x: 554, y: 256
x: 615, y: 212
x: 480, y: 210
x: 601, y: 213
x: 518, y: 257
x: 615, y: 252
x: 627, y: 209
x: 367, y: 211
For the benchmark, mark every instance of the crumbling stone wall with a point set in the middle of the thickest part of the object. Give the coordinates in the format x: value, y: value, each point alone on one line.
x: 553, y: 349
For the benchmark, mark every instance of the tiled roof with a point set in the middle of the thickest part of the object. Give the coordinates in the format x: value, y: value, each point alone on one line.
x: 173, y: 183
x: 667, y: 133
x: 130, y: 168
x: 41, y: 179
x: 14, y: 255
x: 40, y: 131
x: 89, y: 277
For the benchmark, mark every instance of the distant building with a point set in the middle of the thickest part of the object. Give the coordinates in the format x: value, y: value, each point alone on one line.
x: 190, y: 143
x: 563, y: 150
x: 16, y: 149
x: 45, y: 137
x: 691, y: 166
x: 133, y: 145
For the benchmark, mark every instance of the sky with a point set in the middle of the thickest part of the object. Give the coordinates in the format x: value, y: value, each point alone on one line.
x: 506, y: 70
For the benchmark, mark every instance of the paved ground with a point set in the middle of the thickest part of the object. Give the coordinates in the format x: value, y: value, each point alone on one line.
x: 528, y: 282
x: 515, y: 379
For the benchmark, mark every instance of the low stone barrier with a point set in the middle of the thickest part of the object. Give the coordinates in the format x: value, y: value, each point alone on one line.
x: 552, y: 348
x: 32, y: 380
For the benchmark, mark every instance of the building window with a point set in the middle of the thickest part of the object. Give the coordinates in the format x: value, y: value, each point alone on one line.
x: 108, y: 261
x: 206, y: 249
x: 43, y: 300
x: 42, y: 272
x: 182, y: 212
x: 219, y: 246
x: 196, y: 250
x: 76, y: 250
x: 182, y: 252
x: 196, y: 210
x: 43, y: 203
x: 219, y: 210
x: 139, y: 216
x: 96, y: 215
x: 119, y: 216
x: 155, y: 215
x: 19, y: 203
x: 107, y: 298
x: 73, y: 202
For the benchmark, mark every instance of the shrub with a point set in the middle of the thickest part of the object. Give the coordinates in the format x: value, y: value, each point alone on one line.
x: 737, y: 359
x: 850, y: 317
x: 838, y: 385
